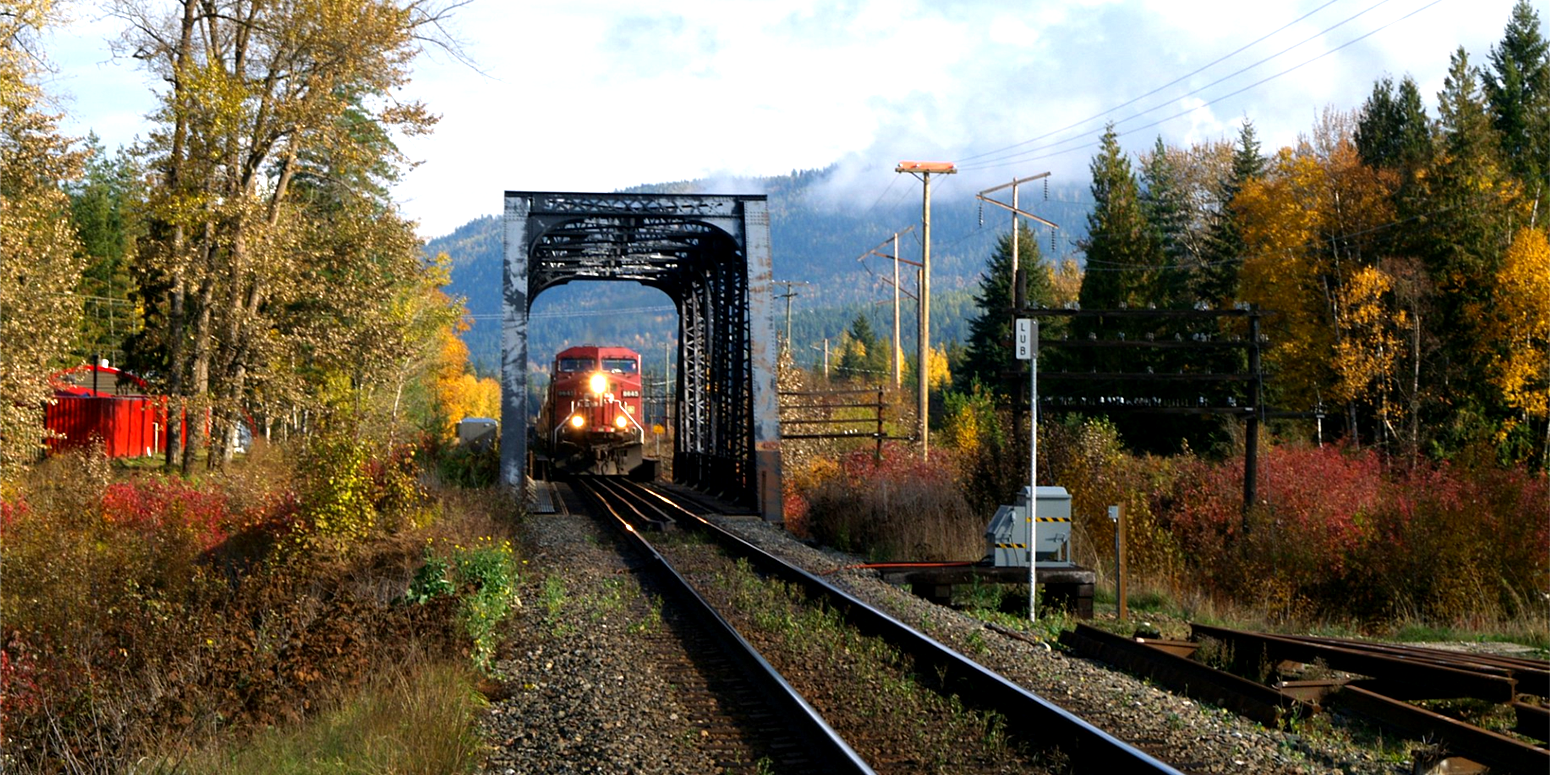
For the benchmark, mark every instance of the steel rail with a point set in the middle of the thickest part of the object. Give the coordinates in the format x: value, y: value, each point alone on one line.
x: 1474, y: 743
x: 631, y: 499
x: 1089, y: 748
x: 837, y: 756
x: 1532, y: 675
x: 1412, y: 674
x: 1186, y: 676
x: 1399, y: 678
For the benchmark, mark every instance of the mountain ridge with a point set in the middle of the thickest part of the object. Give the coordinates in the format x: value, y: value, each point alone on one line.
x: 814, y: 242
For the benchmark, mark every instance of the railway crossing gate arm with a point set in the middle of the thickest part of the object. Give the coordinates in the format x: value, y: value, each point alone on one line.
x: 711, y: 255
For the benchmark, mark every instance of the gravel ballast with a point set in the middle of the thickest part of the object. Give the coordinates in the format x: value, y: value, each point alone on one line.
x: 579, y: 695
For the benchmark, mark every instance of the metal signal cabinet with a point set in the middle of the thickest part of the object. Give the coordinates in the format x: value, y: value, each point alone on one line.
x: 1006, y: 538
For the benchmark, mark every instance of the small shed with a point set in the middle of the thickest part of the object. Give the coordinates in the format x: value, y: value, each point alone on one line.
x: 98, y: 404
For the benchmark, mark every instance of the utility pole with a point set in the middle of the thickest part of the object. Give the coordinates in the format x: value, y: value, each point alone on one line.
x: 894, y: 358
x: 893, y: 355
x: 788, y: 296
x: 1017, y: 285
x: 924, y: 170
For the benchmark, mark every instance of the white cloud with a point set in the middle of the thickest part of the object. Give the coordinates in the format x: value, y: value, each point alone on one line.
x: 606, y: 94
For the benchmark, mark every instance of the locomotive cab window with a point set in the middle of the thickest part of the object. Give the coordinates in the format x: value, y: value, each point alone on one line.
x: 620, y: 365
x: 569, y: 365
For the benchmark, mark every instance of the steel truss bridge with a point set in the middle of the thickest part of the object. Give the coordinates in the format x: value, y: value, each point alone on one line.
x: 711, y: 256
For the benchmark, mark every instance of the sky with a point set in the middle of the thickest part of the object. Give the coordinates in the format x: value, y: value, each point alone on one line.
x: 598, y: 95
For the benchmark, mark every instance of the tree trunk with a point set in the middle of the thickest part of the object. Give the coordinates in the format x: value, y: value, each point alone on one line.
x: 199, y: 387
x: 175, y: 404
x: 176, y: 322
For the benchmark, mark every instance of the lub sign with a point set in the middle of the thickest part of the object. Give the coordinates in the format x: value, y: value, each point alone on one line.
x: 1028, y: 350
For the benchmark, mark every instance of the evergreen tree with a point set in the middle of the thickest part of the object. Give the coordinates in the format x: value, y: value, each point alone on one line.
x: 107, y: 220
x: 1122, y: 251
x: 1470, y: 199
x: 865, y: 356
x: 1517, y: 88
x: 989, y: 352
x: 1393, y: 131
x: 1165, y: 203
x: 1216, y: 282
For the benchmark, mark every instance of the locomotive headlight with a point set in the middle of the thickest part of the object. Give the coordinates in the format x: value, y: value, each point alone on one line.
x: 620, y: 422
x: 576, y: 421
x: 598, y: 383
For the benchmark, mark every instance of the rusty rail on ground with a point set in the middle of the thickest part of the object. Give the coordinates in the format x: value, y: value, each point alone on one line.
x: 1394, y: 674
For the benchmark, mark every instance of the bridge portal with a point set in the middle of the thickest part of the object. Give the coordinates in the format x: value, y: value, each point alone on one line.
x: 711, y: 255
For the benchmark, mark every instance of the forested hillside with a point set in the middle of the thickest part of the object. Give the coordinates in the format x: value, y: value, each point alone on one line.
x: 815, y: 241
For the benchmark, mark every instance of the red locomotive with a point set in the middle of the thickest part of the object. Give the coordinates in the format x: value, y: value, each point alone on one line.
x: 591, y: 417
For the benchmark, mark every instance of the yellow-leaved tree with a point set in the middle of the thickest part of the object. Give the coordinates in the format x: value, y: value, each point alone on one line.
x: 458, y: 391
x: 1522, y: 315
x: 937, y: 374
x: 39, y: 263
x: 1367, y: 353
x: 1308, y: 226
x: 274, y: 240
x: 1281, y: 270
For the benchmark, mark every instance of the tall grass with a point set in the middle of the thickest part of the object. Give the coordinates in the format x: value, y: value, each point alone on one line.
x: 413, y: 719
x: 899, y: 508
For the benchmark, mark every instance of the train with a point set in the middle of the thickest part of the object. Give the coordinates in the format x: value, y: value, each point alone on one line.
x: 591, y: 418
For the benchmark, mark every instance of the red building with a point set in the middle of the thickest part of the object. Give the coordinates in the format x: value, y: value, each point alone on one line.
x: 104, y: 405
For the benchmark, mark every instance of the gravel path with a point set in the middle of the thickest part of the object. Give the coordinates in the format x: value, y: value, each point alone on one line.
x: 582, y: 699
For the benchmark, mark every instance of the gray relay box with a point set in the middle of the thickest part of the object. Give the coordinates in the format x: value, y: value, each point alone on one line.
x: 1006, y: 539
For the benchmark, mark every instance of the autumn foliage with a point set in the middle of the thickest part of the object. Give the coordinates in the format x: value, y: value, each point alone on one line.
x: 1338, y: 536
x: 141, y: 614
x: 459, y: 393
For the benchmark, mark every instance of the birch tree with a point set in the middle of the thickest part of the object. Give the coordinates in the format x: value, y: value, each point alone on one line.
x: 1522, y: 370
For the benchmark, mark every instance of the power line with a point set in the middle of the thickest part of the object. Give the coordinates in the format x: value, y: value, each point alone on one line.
x: 1024, y: 155
x: 1102, y: 113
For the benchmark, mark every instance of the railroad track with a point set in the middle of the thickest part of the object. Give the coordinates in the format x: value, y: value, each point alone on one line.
x: 1382, y: 682
x: 692, y: 555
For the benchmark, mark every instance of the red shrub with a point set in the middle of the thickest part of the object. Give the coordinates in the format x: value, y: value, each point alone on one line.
x: 896, y: 508
x: 151, y: 505
x: 1334, y: 535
